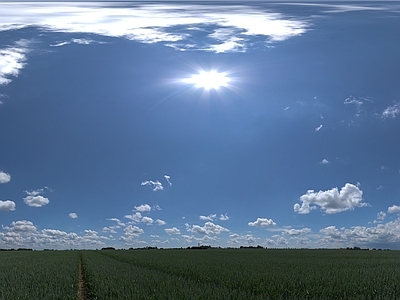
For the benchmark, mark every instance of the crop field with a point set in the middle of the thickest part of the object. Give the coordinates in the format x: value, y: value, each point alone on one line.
x: 200, y: 274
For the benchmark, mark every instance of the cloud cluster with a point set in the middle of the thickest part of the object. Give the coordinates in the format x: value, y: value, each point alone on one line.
x: 391, y: 112
x: 208, y: 228
x: 35, y: 199
x: 331, y: 201
x: 155, y: 185
x: 12, y: 60
x: 262, y: 222
x: 233, y: 27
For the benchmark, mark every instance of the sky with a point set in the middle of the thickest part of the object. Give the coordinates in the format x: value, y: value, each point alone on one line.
x: 225, y: 124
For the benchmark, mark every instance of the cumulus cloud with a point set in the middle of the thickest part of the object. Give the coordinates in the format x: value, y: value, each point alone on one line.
x: 262, y: 222
x: 381, y: 234
x: 143, y: 208
x: 147, y: 220
x: 391, y: 112
x: 160, y: 222
x: 12, y: 60
x: 167, y: 177
x: 331, y: 201
x: 73, y: 215
x: 172, y: 230
x: 155, y: 185
x: 231, y: 28
x: 294, y: 232
x: 132, y: 231
x: 393, y: 209
x: 208, y: 218
x: 224, y: 217
x: 136, y: 217
x: 34, y: 199
x: 7, y: 205
x: 4, y: 177
x: 22, y: 226
x: 208, y: 228
x: 108, y: 229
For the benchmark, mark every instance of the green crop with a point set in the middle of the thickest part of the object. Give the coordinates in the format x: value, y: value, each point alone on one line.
x: 40, y: 275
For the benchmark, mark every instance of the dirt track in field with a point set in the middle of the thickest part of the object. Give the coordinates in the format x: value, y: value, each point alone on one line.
x: 82, y: 287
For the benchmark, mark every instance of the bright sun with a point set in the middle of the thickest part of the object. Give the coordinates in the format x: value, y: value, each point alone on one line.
x: 209, y: 80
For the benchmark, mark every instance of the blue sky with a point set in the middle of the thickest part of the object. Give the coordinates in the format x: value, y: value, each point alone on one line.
x: 110, y: 137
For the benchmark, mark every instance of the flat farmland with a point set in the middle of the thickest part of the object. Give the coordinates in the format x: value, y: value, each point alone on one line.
x: 200, y: 274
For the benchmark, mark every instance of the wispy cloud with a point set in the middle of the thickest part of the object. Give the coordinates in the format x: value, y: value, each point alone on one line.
x: 12, y: 60
x: 233, y: 27
x: 391, y: 112
x: 167, y: 177
x: 208, y: 218
x: 172, y: 230
x: 224, y: 217
x: 331, y: 201
x: 155, y: 185
x: 318, y: 128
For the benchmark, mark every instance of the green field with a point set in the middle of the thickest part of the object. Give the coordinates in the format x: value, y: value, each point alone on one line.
x: 201, y: 274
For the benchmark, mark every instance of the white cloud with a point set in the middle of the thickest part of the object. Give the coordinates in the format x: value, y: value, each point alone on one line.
x: 7, y: 205
x: 331, y: 201
x: 167, y: 177
x: 208, y: 228
x: 172, y: 230
x: 224, y: 217
x: 136, y: 217
x: 109, y: 229
x: 12, y: 60
x: 34, y: 199
x: 73, y: 215
x: 4, y: 177
x: 391, y: 112
x: 208, y: 218
x: 23, y: 226
x: 381, y: 215
x: 293, y: 232
x: 143, y: 208
x: 132, y: 231
x: 117, y: 220
x: 393, y: 209
x: 155, y: 185
x: 262, y: 222
x: 160, y: 222
x: 234, y: 27
x: 353, y: 100
x: 325, y: 162
x: 147, y: 220
x: 318, y: 128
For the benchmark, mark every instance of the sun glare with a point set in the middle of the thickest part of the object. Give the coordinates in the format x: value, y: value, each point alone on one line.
x: 209, y: 80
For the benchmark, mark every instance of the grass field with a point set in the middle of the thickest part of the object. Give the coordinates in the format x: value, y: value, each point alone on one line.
x: 202, y: 274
